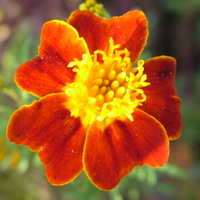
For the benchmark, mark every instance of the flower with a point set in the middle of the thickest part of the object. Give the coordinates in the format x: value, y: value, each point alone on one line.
x: 97, y: 113
x: 93, y: 6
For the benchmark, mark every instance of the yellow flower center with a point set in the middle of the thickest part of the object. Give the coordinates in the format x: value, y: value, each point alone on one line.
x: 107, y: 89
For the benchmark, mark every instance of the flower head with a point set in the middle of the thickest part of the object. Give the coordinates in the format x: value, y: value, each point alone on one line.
x: 97, y: 113
x: 93, y: 6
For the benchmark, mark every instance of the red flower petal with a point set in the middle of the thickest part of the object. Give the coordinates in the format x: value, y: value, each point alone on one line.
x: 48, y: 72
x: 46, y: 126
x: 64, y: 39
x: 129, y: 30
x: 162, y: 100
x: 112, y: 153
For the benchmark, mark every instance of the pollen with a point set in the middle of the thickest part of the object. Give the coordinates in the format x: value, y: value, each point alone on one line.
x: 106, y: 86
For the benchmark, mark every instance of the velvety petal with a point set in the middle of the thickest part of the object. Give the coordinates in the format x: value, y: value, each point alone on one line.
x: 162, y: 100
x: 129, y: 30
x: 48, y: 72
x: 110, y: 153
x: 46, y: 126
x: 64, y: 39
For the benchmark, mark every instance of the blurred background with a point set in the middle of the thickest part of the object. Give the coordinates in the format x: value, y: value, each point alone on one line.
x: 174, y: 30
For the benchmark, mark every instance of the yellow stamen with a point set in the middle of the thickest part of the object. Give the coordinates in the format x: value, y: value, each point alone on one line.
x: 103, y: 90
x: 114, y: 85
x: 111, y: 75
x: 98, y: 82
x: 93, y: 91
x: 121, y: 77
x: 120, y: 92
x: 100, y: 99
x: 109, y: 96
x: 108, y: 89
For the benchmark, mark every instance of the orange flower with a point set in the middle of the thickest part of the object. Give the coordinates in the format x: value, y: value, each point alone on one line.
x: 96, y: 113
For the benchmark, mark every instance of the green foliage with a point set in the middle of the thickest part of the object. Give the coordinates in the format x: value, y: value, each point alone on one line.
x: 181, y: 6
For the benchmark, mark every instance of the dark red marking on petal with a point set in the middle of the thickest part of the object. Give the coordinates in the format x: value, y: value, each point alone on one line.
x: 44, y: 75
x: 63, y: 39
x: 111, y: 154
x: 46, y: 126
x: 48, y: 72
x: 129, y: 30
x: 162, y: 100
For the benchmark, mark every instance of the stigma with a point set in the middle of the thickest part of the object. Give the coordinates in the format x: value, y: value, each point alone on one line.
x: 106, y: 86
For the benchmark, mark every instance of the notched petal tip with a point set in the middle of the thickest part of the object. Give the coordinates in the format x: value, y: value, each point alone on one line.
x: 129, y: 30
x: 64, y: 39
x: 48, y: 72
x: 46, y: 126
x: 42, y: 75
x: 162, y: 100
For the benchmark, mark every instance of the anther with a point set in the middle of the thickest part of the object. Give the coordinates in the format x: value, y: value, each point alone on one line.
x: 102, y: 90
x: 120, y: 92
x: 99, y: 99
x: 109, y: 96
x: 98, y: 82
x: 121, y: 77
x: 114, y: 85
x: 93, y: 91
x: 101, y: 73
x: 106, y: 82
x: 111, y: 75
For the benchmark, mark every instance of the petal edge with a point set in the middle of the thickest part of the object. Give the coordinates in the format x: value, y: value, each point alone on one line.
x: 112, y: 153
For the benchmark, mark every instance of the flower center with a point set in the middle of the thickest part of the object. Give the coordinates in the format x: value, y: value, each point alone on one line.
x: 106, y: 86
